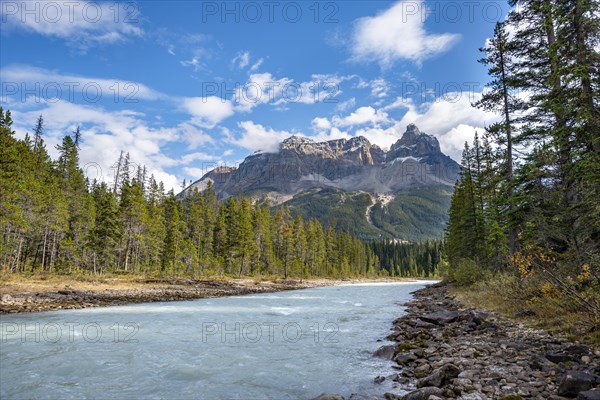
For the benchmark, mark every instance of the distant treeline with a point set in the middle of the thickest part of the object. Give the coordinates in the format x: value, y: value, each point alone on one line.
x: 409, y: 259
x: 53, y: 219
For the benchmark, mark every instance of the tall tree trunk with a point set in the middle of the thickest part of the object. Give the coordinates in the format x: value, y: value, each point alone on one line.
x: 242, y: 265
x: 53, y: 252
x: 127, y: 246
x: 18, y: 257
x: 44, y: 249
x: 512, y: 231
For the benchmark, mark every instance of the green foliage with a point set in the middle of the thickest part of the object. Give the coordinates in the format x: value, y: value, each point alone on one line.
x: 467, y: 272
x: 53, y: 220
x: 344, y: 211
x: 415, y: 215
x: 533, y: 213
x: 409, y: 259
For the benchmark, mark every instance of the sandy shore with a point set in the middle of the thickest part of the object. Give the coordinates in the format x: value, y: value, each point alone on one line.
x: 27, y: 294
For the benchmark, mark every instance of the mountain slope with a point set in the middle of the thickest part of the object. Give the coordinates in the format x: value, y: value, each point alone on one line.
x: 401, y: 193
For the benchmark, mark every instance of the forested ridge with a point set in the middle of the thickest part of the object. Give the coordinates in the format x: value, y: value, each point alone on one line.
x: 525, y: 214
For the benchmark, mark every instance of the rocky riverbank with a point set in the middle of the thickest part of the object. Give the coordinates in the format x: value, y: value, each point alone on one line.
x: 446, y: 351
x: 45, y: 296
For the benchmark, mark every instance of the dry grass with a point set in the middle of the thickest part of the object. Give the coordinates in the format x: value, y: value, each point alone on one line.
x: 552, y: 312
x: 38, y: 283
x: 11, y: 283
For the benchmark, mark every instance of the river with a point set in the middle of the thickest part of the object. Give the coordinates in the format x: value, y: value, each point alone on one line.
x: 287, y: 345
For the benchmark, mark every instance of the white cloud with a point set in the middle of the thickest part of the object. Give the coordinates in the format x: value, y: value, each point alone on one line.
x: 379, y: 88
x: 363, y: 115
x: 193, y: 136
x: 82, y: 24
x: 383, y: 138
x: 257, y: 65
x: 207, y: 112
x: 264, y: 88
x: 346, y: 105
x: 321, y: 124
x: 198, y: 156
x: 104, y: 135
x: 244, y: 59
x: 198, y: 51
x: 453, y: 141
x: 196, y: 173
x: 450, y: 118
x: 333, y: 134
x: 193, y: 62
x: 241, y: 60
x: 400, y: 102
x: 256, y: 137
x: 50, y: 85
x: 261, y: 88
x: 398, y: 33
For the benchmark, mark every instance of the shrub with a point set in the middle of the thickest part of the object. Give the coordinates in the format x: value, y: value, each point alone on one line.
x: 467, y: 272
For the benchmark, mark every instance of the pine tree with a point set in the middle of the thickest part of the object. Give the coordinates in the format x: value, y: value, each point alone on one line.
x: 105, y: 235
x: 501, y: 97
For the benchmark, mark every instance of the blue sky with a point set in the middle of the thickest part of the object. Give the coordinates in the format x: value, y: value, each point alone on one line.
x: 185, y: 86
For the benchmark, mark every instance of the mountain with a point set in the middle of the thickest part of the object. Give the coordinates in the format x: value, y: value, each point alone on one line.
x: 402, y: 193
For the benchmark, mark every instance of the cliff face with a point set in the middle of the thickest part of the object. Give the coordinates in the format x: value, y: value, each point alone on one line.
x: 351, y: 165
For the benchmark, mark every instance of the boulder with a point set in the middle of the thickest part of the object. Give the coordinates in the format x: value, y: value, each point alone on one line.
x: 385, y: 352
x: 589, y: 395
x: 325, y: 396
x: 356, y: 396
x: 440, y: 376
x: 405, y: 358
x: 578, y: 350
x: 441, y: 317
x: 417, y: 323
x: 423, y: 393
x: 575, y: 382
x: 473, y: 396
x: 6, y: 298
x: 559, y: 357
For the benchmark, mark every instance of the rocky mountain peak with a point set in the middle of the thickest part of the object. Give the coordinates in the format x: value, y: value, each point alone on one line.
x: 297, y: 140
x: 352, y: 164
x: 414, y: 143
x: 300, y: 145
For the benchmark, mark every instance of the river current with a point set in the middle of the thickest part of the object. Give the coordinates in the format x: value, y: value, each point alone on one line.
x: 287, y: 345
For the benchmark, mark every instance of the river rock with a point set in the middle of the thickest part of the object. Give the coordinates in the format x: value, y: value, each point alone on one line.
x: 405, y: 358
x: 417, y: 323
x: 325, y: 396
x: 441, y: 317
x: 385, y: 352
x: 586, y: 360
x: 559, y: 357
x: 423, y: 393
x: 589, y: 395
x: 473, y: 396
x: 499, y: 359
x: 440, y: 376
x: 575, y: 382
x: 578, y: 350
